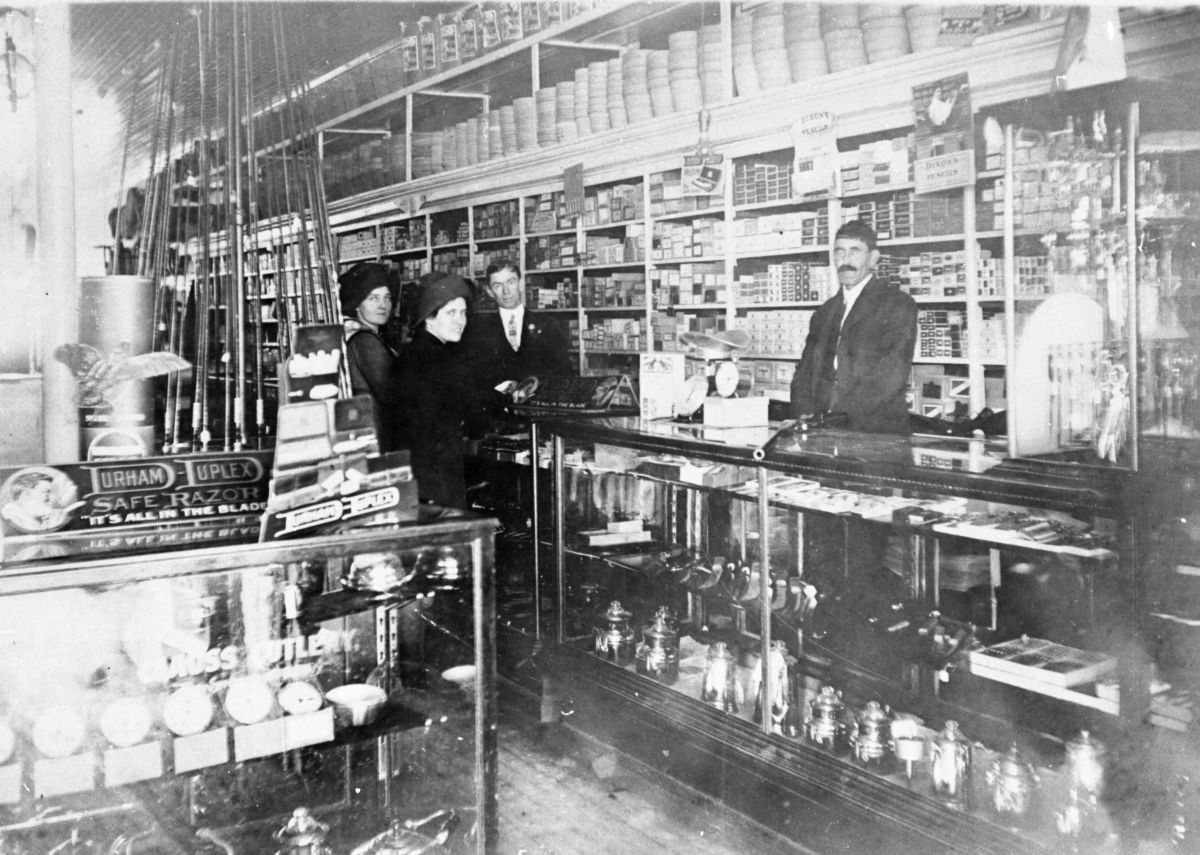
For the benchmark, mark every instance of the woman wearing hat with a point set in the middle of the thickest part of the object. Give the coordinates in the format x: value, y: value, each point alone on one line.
x: 436, y: 391
x: 367, y: 293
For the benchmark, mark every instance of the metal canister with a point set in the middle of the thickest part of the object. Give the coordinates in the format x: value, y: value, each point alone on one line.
x: 779, y: 702
x: 950, y: 766
x: 658, y: 654
x: 113, y: 364
x: 303, y: 834
x: 719, y: 688
x: 614, y: 636
x: 1085, y: 767
x: 826, y: 724
x: 870, y: 741
x: 1011, y: 781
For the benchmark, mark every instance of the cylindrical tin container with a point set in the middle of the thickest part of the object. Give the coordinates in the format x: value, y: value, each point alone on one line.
x: 614, y: 637
x: 871, y: 740
x: 658, y: 654
x: 950, y: 766
x: 116, y: 392
x: 720, y: 682
x: 778, y: 704
x: 826, y: 722
x: 1085, y: 766
x: 1011, y: 782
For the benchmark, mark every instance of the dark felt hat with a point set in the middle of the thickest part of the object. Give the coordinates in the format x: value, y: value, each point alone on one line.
x: 438, y: 289
x: 360, y: 280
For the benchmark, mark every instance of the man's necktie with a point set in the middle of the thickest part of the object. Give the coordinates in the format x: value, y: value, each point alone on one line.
x: 512, y: 331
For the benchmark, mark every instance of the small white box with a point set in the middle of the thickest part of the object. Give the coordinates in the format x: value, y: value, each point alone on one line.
x: 735, y: 412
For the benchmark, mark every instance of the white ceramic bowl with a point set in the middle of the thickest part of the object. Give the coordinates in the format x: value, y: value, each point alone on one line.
x: 356, y: 704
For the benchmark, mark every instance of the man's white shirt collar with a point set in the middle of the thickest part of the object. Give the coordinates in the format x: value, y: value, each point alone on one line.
x: 519, y: 314
x: 850, y: 295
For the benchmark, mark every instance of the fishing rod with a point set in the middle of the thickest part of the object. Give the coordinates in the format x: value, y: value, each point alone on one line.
x: 260, y: 422
x: 235, y: 432
x: 309, y: 313
x: 200, y: 416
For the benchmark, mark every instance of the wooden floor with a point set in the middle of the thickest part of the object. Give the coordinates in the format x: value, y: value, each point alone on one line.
x: 561, y: 794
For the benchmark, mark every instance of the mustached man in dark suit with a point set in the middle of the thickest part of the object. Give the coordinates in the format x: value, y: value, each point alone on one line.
x: 859, y: 351
x: 515, y: 343
x: 857, y: 360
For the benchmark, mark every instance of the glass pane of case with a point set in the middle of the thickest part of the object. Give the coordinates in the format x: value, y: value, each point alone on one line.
x: 840, y: 592
x: 200, y: 701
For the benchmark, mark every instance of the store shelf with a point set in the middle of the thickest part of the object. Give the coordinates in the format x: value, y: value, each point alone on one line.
x: 781, y: 304
x: 687, y: 215
x: 781, y: 252
x: 775, y: 204
x: 694, y: 259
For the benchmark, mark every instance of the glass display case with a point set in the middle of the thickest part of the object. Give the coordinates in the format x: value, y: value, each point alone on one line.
x: 861, y: 640
x: 1095, y: 195
x: 332, y: 694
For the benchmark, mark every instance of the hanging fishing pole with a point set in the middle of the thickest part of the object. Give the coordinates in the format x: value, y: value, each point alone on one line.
x: 200, y: 416
x: 235, y: 433
x: 260, y: 423
x: 292, y: 144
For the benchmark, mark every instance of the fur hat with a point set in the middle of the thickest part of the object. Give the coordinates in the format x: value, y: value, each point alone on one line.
x: 439, y: 288
x: 360, y: 280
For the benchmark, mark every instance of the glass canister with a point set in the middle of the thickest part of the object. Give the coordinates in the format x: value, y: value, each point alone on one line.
x: 950, y: 765
x: 614, y: 636
x: 1085, y: 767
x: 719, y: 688
x: 826, y: 723
x: 1011, y: 781
x: 779, y: 702
x: 870, y: 741
x: 658, y: 654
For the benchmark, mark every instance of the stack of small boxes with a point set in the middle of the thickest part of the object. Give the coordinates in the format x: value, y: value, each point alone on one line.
x: 760, y: 180
x: 704, y: 236
x: 614, y: 334
x: 691, y: 284
x: 620, y: 288
x: 775, y: 332
x: 780, y: 231
x: 410, y: 234
x: 359, y: 244
x: 547, y: 212
x: 667, y: 329
x: 786, y: 282
x: 548, y: 294
x: 667, y: 197
x: 881, y: 164
x: 941, y: 334
x: 497, y: 219
x: 616, y: 204
x: 600, y: 250
x: 551, y: 252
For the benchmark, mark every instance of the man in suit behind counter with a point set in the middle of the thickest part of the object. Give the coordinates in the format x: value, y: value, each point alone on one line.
x: 514, y: 343
x: 857, y: 360
x: 859, y: 351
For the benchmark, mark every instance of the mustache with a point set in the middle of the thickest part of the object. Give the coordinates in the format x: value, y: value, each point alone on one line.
x: 846, y: 268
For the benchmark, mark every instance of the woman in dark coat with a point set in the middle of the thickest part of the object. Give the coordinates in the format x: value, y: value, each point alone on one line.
x: 436, y: 390
x: 367, y: 294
